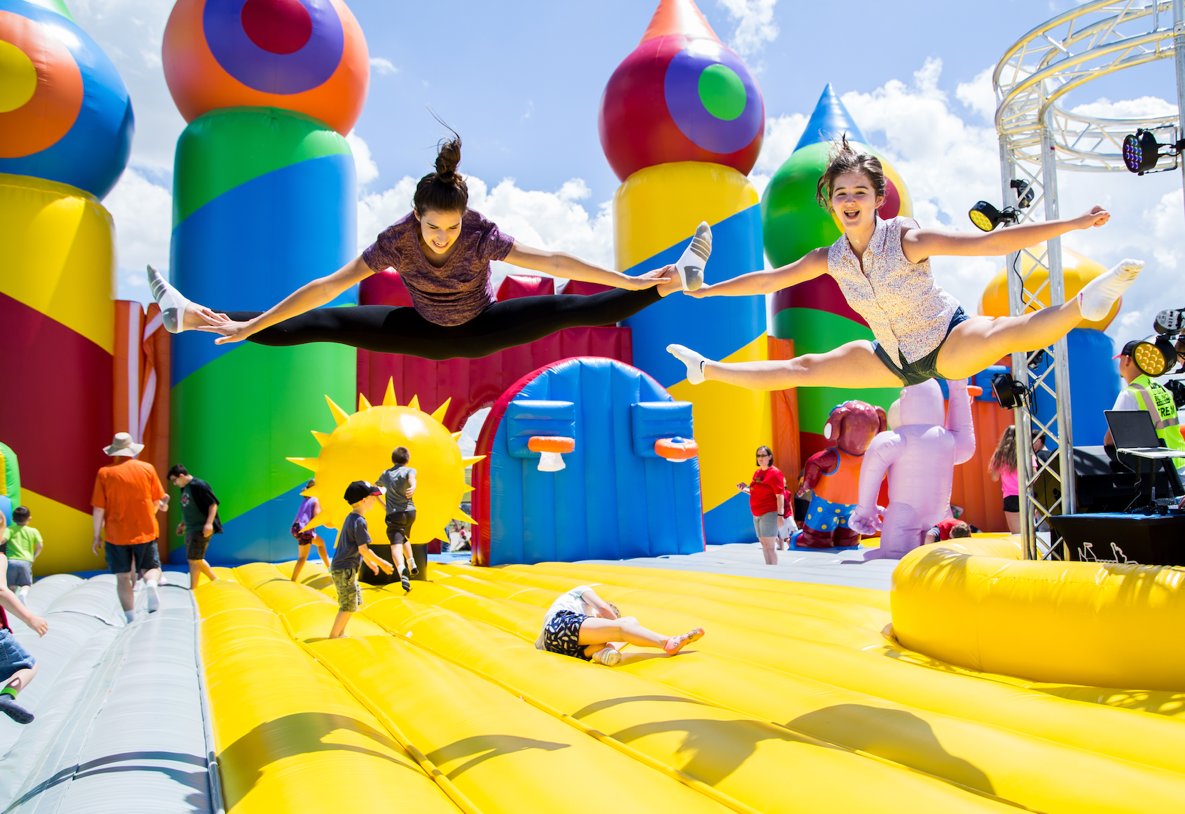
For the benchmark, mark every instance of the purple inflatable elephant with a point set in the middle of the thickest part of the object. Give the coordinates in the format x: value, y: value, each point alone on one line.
x: 919, y: 452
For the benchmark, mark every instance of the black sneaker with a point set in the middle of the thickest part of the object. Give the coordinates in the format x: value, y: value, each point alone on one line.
x: 414, y: 569
x: 405, y: 582
x: 12, y: 709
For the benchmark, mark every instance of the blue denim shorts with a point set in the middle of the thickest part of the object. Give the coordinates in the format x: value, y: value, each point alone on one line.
x: 925, y: 368
x: 13, y: 657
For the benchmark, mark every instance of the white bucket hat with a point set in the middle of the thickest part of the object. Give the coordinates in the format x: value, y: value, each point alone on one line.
x: 123, y: 445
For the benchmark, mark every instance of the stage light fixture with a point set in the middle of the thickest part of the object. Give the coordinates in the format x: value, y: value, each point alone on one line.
x: 1141, y: 150
x: 1155, y: 356
x: 987, y: 217
x: 1010, y: 392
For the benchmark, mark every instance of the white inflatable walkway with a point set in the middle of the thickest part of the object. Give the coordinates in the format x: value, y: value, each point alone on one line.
x: 121, y: 723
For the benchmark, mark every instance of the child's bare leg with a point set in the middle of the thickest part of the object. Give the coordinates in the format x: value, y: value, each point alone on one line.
x: 410, y: 557
x: 302, y: 555
x: 207, y: 570
x: 767, y: 550
x: 597, y: 631
x: 981, y: 341
x: 321, y: 550
x: 339, y: 624
x: 21, y: 678
x: 853, y: 364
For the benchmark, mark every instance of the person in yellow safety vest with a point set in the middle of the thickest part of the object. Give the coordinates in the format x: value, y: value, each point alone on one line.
x: 1141, y: 393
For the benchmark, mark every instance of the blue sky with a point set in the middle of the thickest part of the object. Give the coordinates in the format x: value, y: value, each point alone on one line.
x: 522, y: 79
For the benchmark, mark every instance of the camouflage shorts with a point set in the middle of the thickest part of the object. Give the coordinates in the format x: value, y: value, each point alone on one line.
x: 349, y: 593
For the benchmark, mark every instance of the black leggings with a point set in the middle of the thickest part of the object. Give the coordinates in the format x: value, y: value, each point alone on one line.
x: 397, y: 329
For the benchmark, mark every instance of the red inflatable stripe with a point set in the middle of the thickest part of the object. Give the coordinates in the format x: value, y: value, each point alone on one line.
x: 56, y: 412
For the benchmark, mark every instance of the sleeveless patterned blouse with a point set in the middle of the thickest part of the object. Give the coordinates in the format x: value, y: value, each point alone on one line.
x: 907, y: 313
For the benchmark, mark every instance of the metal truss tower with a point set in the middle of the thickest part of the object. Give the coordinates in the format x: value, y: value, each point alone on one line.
x: 1037, y: 136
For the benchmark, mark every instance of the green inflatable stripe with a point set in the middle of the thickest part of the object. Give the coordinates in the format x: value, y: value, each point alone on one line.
x: 250, y: 445
x: 55, y: 5
x: 819, y: 332
x: 227, y: 148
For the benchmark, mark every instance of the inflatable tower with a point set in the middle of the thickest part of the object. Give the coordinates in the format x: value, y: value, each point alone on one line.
x: 681, y: 123
x: 263, y: 202
x: 65, y: 134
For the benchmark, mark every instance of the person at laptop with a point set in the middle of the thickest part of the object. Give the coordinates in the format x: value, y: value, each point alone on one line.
x: 1141, y: 393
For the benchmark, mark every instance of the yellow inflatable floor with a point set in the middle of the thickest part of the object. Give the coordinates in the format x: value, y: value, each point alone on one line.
x: 795, y: 700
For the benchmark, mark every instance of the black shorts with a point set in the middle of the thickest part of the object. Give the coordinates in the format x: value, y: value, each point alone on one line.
x: 302, y: 537
x: 925, y: 368
x: 561, y: 634
x: 123, y: 559
x: 399, y: 525
x: 1012, y: 503
x: 196, y: 544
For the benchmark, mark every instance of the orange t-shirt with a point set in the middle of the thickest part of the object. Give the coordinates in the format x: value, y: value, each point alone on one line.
x: 128, y: 492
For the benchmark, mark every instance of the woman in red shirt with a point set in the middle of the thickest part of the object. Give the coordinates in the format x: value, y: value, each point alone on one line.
x: 767, y: 495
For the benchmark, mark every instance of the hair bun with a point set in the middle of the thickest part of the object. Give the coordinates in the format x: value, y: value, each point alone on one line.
x: 448, y: 156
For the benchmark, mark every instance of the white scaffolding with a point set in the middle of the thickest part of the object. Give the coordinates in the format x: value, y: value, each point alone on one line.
x: 1037, y: 136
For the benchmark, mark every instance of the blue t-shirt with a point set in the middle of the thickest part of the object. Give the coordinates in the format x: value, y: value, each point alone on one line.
x: 354, y: 533
x: 396, y: 481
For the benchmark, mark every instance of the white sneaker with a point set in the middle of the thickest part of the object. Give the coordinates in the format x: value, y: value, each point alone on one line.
x: 171, y: 301
x: 695, y: 257
x: 609, y: 656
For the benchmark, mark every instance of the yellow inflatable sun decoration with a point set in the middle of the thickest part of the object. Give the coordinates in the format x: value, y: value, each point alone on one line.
x: 359, y: 448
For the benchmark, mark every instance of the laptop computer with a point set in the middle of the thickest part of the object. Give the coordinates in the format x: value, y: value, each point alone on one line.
x: 1135, y: 437
x: 1135, y: 434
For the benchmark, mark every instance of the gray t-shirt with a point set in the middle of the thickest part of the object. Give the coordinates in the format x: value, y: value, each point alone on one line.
x: 396, y: 481
x: 354, y: 533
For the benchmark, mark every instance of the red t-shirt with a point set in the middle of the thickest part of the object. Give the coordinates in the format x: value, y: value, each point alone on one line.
x: 764, y: 489
x: 944, y: 527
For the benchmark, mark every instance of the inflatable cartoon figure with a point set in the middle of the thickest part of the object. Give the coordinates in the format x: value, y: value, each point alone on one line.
x: 919, y: 455
x: 834, y: 475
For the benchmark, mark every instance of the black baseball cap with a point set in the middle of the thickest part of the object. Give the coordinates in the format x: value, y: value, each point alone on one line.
x: 1128, y: 349
x: 360, y: 490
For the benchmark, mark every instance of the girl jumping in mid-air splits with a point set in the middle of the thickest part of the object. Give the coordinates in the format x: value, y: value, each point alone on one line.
x: 883, y: 269
x: 442, y: 250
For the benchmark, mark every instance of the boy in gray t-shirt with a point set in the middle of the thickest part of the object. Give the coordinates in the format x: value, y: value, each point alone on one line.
x: 400, y: 483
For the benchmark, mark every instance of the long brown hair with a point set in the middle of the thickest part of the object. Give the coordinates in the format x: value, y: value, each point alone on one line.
x: 1004, y: 458
x: 845, y: 159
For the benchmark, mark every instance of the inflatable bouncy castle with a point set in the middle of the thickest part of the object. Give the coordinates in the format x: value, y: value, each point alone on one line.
x: 65, y: 133
x: 681, y: 123
x: 263, y: 201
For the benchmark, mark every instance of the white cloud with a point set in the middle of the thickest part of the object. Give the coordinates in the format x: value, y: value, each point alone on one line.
x: 381, y: 66
x: 143, y: 214
x: 781, y: 136
x: 1145, y: 107
x: 979, y: 95
x: 365, y: 169
x: 755, y: 24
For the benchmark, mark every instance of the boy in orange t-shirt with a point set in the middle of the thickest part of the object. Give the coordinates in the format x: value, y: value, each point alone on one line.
x: 128, y: 494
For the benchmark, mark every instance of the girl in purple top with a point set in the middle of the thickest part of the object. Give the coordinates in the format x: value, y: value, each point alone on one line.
x: 310, y: 508
x: 883, y: 269
x: 442, y: 250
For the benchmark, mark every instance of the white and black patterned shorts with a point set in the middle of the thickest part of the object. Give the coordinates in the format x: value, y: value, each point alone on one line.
x: 561, y: 634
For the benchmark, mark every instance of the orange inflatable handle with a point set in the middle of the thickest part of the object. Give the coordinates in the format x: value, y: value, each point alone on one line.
x: 676, y: 449
x: 550, y: 443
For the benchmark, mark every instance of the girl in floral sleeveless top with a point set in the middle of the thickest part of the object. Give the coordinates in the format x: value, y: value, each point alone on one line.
x: 883, y: 269
x: 442, y: 251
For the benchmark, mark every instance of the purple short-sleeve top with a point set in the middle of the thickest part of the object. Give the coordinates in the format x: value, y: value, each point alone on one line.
x: 455, y: 292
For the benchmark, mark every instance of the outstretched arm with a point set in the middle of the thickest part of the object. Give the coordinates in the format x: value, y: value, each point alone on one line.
x: 767, y: 281
x: 558, y: 264
x: 918, y: 244
x: 309, y: 296
x: 958, y: 420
